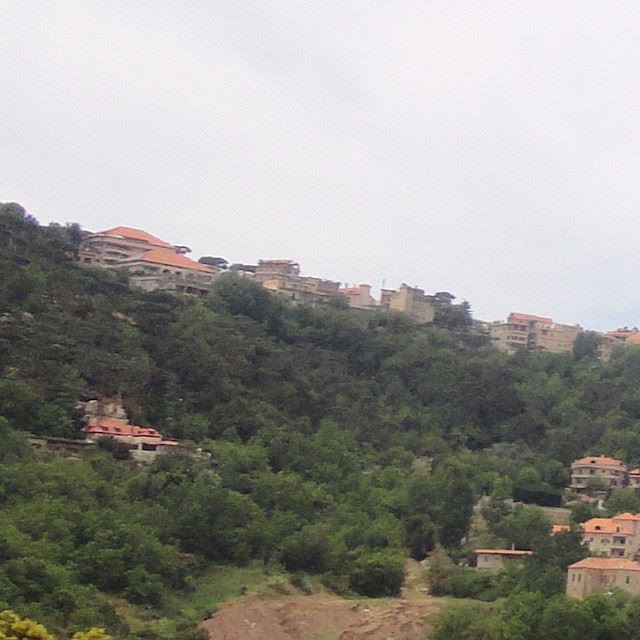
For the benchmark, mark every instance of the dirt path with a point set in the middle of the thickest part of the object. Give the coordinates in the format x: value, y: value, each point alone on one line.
x: 326, y: 616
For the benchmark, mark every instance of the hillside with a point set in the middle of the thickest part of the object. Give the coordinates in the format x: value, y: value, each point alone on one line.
x: 321, y: 425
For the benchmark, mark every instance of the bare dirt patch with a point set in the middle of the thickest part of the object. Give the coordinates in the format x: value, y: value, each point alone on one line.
x: 324, y: 616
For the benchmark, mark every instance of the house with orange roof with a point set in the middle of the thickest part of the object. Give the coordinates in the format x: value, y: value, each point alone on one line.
x: 145, y: 443
x: 593, y: 575
x: 597, y: 472
x: 617, y: 537
x: 152, y: 263
x: 107, y: 418
x: 494, y: 560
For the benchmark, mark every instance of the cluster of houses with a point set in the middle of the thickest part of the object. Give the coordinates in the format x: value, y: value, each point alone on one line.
x: 613, y: 543
x: 153, y: 264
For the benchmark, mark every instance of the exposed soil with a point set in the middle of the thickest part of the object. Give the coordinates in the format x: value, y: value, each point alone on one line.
x: 325, y: 616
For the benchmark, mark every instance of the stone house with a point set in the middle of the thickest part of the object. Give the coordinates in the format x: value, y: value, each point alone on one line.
x: 494, y: 560
x: 593, y: 575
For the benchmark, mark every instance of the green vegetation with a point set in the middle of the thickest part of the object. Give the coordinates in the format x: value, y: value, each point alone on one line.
x: 339, y: 442
x: 529, y: 616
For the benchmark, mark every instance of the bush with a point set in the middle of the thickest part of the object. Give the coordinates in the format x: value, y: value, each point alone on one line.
x: 378, y: 574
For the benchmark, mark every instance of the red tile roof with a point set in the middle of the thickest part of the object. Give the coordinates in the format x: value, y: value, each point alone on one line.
x: 606, y: 563
x: 135, y: 234
x: 113, y: 427
x: 599, y: 460
x: 560, y: 528
x: 607, y: 525
x: 627, y: 517
x: 171, y: 259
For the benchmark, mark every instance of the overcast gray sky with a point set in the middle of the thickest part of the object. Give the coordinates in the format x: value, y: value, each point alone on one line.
x: 491, y: 149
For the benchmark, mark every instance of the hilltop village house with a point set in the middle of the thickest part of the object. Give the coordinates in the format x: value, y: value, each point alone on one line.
x: 283, y: 277
x: 597, y: 472
x: 602, y: 574
x: 533, y: 333
x: 152, y: 263
x: 523, y: 331
x: 411, y: 301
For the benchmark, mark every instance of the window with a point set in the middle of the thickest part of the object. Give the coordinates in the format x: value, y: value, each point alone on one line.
x: 626, y: 580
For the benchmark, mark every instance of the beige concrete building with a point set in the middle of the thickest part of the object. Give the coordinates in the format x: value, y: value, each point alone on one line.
x: 597, y: 470
x: 360, y: 297
x: 283, y: 277
x: 593, y: 575
x: 494, y: 560
x: 617, y: 537
x: 152, y: 264
x: 410, y: 301
x: 533, y: 333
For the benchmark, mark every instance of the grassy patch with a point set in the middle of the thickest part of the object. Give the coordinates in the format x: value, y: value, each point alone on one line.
x: 210, y: 589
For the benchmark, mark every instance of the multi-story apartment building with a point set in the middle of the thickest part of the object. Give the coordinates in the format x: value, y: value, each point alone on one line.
x: 533, y: 333
x: 617, y: 537
x: 410, y: 301
x: 152, y: 263
x: 592, y: 575
x: 599, y: 472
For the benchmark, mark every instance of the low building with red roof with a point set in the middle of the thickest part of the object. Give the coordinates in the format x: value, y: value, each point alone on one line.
x: 145, y: 443
x: 593, y: 575
x: 494, y: 560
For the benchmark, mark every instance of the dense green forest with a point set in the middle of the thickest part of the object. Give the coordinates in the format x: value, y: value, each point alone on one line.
x: 340, y: 441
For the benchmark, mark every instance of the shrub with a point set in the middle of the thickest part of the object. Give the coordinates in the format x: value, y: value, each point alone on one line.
x: 378, y: 574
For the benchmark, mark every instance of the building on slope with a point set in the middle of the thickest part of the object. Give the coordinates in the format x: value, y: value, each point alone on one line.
x: 360, y: 297
x: 593, y: 575
x: 283, y: 277
x: 494, y: 560
x: 145, y: 443
x: 410, y: 301
x: 597, y: 473
x: 523, y: 331
x: 617, y: 537
x: 152, y: 263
